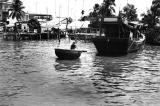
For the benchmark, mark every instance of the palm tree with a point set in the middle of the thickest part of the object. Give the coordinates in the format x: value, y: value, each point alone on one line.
x: 17, y: 11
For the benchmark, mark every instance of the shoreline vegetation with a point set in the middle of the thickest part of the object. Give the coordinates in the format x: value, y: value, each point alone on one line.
x: 106, y: 9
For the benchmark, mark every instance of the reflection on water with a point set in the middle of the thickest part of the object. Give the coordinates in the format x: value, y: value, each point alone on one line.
x: 32, y: 75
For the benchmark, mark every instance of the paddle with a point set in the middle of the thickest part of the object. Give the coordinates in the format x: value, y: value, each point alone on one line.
x: 83, y: 51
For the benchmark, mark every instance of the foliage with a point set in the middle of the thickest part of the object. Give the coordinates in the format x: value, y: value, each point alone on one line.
x: 69, y: 20
x: 129, y: 12
x: 152, y: 15
x: 34, y: 24
x: 82, y: 12
x: 96, y: 11
x: 152, y: 35
x: 155, y: 8
x: 149, y: 19
x: 106, y: 9
x: 83, y: 18
x: 17, y: 10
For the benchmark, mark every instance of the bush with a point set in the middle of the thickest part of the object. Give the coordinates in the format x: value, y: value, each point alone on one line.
x: 152, y: 34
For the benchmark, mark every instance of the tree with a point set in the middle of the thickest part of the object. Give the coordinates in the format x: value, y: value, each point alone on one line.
x: 149, y: 19
x: 107, y: 8
x: 17, y: 10
x: 69, y: 20
x: 82, y: 12
x: 152, y: 15
x: 155, y: 8
x: 34, y: 24
x: 18, y: 13
x: 129, y: 12
x: 96, y: 10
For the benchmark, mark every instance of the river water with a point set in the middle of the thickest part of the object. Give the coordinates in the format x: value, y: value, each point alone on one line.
x: 31, y: 75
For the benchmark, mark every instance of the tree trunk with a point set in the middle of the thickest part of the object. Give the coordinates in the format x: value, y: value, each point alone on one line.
x: 17, y: 32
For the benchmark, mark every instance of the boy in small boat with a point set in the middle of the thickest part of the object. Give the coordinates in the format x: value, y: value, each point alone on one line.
x: 73, y: 46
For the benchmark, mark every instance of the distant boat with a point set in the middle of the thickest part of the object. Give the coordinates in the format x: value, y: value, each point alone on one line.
x: 117, y: 38
x: 68, y: 53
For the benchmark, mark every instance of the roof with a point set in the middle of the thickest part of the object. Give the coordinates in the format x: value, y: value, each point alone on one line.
x: 32, y: 14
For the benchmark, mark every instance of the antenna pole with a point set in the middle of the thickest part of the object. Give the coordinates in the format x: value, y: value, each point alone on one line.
x: 55, y: 8
x: 68, y: 8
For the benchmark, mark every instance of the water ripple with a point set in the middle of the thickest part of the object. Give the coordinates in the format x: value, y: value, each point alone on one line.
x: 30, y: 73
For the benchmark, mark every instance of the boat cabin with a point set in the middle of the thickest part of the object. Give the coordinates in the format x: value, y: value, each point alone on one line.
x: 114, y: 27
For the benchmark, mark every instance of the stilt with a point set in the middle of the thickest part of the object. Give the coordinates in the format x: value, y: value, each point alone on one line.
x: 48, y: 35
x: 40, y: 36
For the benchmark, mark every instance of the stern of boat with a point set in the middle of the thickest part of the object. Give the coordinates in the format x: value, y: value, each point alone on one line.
x: 111, y: 46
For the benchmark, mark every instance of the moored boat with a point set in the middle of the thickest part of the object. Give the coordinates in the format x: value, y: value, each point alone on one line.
x: 68, y: 53
x: 117, y: 38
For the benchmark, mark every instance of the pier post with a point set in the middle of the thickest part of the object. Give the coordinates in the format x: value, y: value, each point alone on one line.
x: 40, y: 36
x: 48, y: 34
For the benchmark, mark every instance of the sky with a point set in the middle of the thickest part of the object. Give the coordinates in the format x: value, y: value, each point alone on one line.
x: 73, y: 8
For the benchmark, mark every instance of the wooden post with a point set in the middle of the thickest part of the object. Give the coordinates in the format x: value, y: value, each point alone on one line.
x: 48, y: 34
x: 40, y: 36
x: 100, y: 30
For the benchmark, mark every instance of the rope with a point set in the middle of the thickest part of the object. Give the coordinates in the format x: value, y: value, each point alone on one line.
x: 130, y: 45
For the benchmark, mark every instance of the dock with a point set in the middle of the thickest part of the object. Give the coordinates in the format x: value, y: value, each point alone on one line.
x: 31, y: 36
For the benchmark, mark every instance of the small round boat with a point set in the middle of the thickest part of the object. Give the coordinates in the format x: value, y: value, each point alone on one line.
x: 68, y: 53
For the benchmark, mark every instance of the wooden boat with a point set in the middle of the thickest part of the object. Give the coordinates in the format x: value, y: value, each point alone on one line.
x: 68, y: 53
x: 117, y: 38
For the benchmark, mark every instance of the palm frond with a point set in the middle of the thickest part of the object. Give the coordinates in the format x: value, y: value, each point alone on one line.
x: 17, y: 10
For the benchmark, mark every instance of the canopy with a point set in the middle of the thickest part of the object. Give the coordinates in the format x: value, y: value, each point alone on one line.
x: 78, y: 24
x: 53, y: 23
x: 48, y: 23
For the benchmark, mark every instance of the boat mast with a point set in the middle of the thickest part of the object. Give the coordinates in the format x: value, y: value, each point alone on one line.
x: 68, y: 8
x: 36, y: 6
x: 55, y: 8
x: 83, y: 5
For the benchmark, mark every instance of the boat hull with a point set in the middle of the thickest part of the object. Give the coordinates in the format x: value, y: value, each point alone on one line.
x: 116, y: 46
x: 67, y: 54
x: 110, y: 46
